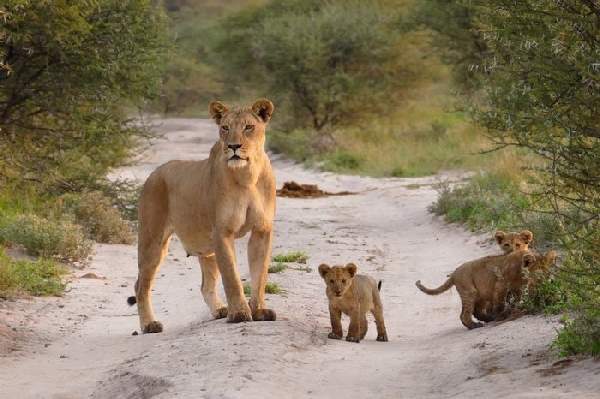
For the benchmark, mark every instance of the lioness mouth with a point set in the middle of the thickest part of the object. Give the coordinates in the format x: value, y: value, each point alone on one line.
x: 236, y: 158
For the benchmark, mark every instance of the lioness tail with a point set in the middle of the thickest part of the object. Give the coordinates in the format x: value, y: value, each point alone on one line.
x: 436, y: 291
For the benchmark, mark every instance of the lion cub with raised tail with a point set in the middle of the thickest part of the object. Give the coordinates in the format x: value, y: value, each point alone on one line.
x: 354, y: 295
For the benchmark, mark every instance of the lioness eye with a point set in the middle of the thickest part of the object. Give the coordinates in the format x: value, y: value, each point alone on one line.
x: 249, y: 127
x: 331, y: 281
x: 225, y: 128
x: 344, y: 281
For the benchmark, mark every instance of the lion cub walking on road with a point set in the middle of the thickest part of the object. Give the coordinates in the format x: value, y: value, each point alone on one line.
x: 354, y: 295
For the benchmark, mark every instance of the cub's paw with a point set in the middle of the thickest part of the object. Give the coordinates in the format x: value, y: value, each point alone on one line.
x: 352, y: 339
x: 475, y: 325
x: 264, y: 315
x: 153, y: 327
x: 238, y: 317
x: 220, y: 312
x: 333, y: 335
x: 382, y: 338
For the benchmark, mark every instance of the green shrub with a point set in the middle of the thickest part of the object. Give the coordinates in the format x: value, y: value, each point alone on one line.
x: 40, y: 278
x: 47, y: 238
x: 580, y: 334
x: 549, y: 296
x: 101, y: 221
x: 293, y: 256
x: 341, y: 161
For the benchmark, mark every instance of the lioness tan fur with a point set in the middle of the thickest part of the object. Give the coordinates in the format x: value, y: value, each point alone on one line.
x: 513, y: 241
x: 208, y: 204
x: 354, y: 295
x: 476, y: 283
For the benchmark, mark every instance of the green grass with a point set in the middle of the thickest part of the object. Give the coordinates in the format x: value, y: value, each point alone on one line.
x: 293, y: 256
x: 277, y: 268
x: 270, y: 288
x: 580, y: 334
x: 42, y: 277
x: 422, y: 137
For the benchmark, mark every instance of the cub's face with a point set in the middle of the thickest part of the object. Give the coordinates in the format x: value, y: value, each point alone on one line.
x: 536, y: 261
x: 510, y: 242
x: 338, y: 278
x: 242, y: 131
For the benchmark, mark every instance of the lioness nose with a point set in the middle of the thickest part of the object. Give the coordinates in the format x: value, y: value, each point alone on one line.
x: 234, y: 146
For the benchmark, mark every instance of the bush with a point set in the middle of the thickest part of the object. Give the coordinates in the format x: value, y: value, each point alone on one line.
x: 101, y: 221
x: 40, y: 278
x: 70, y: 68
x: 580, y: 334
x: 47, y: 238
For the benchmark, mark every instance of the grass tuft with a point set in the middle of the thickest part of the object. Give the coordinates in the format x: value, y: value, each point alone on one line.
x: 293, y: 256
x: 42, y: 277
x: 277, y: 268
x: 270, y: 288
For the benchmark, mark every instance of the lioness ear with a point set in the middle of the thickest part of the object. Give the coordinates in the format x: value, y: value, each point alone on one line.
x: 263, y: 108
x: 324, y: 269
x: 499, y: 236
x: 526, y: 235
x: 528, y: 260
x: 351, y: 267
x: 217, y: 109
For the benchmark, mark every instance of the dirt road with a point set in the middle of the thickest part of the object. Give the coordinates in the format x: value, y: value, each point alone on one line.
x: 82, y: 345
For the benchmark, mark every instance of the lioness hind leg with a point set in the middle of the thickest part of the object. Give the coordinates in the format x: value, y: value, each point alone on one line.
x: 210, y: 275
x: 259, y: 254
x: 149, y: 264
x: 466, y: 315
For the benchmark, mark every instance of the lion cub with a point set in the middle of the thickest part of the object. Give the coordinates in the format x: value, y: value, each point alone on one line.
x: 353, y: 295
x: 512, y: 241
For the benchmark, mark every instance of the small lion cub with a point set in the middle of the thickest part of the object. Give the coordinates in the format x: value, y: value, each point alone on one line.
x: 353, y: 295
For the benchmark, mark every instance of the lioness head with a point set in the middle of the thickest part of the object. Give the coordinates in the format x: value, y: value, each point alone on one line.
x: 338, y: 278
x: 242, y: 130
x: 510, y: 242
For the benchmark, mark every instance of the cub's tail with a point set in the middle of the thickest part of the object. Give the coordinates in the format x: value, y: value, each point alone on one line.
x: 436, y: 291
x: 379, y: 285
x: 132, y: 300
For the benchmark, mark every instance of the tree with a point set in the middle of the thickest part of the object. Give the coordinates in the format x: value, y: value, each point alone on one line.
x: 329, y: 63
x: 70, y: 67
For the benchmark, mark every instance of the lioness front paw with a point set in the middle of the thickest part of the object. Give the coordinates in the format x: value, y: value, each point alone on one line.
x: 238, y: 317
x: 352, y: 339
x: 220, y: 313
x: 333, y: 335
x: 153, y: 327
x: 264, y: 315
x: 382, y: 338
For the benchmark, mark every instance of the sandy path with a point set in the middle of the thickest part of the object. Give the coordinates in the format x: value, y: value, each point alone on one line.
x: 386, y: 230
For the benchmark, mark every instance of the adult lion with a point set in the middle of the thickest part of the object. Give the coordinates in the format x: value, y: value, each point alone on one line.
x: 209, y: 204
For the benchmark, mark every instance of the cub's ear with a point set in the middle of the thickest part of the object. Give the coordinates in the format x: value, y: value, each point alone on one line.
x: 263, y: 108
x: 528, y: 260
x: 351, y: 267
x: 526, y: 235
x: 217, y: 109
x: 499, y: 236
x: 550, y: 257
x: 324, y: 269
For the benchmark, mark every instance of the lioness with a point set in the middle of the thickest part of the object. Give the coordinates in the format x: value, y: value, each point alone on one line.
x: 208, y: 204
x: 476, y: 283
x: 512, y: 241
x: 353, y: 295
